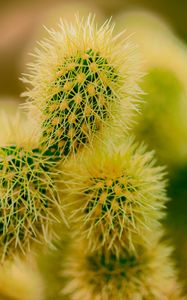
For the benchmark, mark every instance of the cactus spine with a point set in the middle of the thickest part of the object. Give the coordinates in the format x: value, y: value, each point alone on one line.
x: 82, y: 80
x: 116, y: 201
x: 30, y: 204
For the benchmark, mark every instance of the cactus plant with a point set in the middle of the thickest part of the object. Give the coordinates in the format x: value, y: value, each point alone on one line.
x: 148, y: 275
x: 116, y: 199
x: 83, y: 83
x: 51, y: 16
x: 82, y: 79
x: 116, y: 195
x: 29, y: 200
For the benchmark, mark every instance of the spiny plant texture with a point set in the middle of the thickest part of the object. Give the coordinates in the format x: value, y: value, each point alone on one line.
x: 148, y: 275
x: 116, y: 195
x: 29, y: 200
x: 82, y: 79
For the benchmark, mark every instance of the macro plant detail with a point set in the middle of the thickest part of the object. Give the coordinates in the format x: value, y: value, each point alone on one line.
x: 113, y: 195
x: 82, y: 98
x: 73, y: 114
x: 82, y: 79
x: 29, y: 201
x: 102, y: 275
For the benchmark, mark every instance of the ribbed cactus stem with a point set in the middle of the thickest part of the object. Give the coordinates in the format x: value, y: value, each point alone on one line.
x: 81, y: 83
x: 117, y: 196
x: 102, y: 275
x: 116, y: 203
x: 80, y: 104
x: 29, y: 200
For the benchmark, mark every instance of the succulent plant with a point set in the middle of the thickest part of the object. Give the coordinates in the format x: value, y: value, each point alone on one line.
x: 116, y: 200
x: 29, y: 199
x: 30, y: 203
x: 83, y: 78
x: 83, y: 84
x: 102, y: 275
x: 116, y: 195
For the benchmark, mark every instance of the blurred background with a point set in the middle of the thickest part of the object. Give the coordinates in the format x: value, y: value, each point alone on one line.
x: 19, y: 21
x: 160, y: 30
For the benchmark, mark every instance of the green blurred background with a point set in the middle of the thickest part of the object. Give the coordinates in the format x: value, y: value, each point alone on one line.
x: 21, y: 25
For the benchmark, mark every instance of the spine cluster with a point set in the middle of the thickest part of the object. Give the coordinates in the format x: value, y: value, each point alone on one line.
x: 29, y: 201
x: 116, y: 201
x: 113, y: 192
x: 81, y: 103
x: 83, y: 92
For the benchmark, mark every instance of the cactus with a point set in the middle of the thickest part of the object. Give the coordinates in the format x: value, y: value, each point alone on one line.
x: 102, y: 275
x: 115, y: 201
x: 83, y: 84
x: 30, y: 202
x: 82, y: 79
x: 117, y: 196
